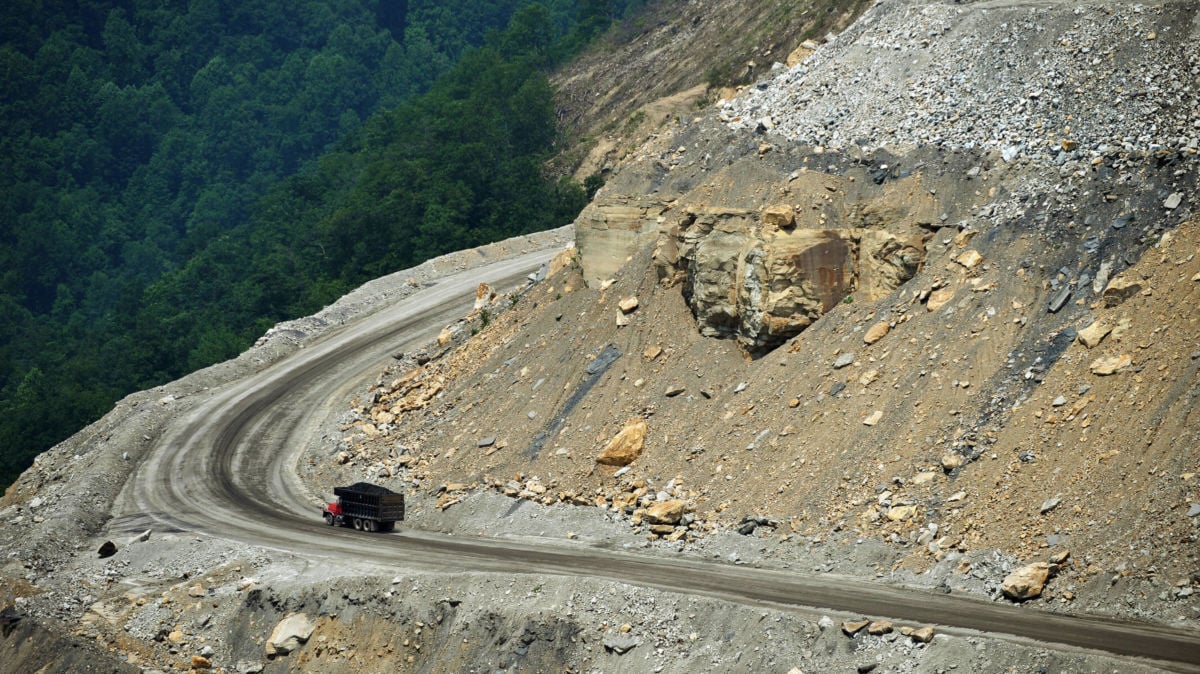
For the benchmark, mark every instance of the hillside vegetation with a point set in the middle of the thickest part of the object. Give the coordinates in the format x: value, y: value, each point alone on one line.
x: 180, y: 176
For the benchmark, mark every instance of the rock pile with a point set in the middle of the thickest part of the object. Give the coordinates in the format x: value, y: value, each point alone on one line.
x: 1052, y: 84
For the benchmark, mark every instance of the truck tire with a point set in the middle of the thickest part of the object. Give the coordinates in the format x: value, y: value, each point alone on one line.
x: 370, y: 525
x: 329, y: 519
x: 358, y: 524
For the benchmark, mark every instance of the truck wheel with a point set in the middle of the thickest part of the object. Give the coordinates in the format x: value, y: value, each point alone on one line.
x: 358, y: 524
x: 329, y: 519
x: 371, y: 525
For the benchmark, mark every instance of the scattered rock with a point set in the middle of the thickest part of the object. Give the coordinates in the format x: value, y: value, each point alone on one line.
x: 843, y: 360
x: 107, y: 549
x: 1059, y: 299
x: 1111, y: 364
x: 782, y: 216
x: 901, y: 513
x: 1120, y: 289
x: 969, y: 258
x: 952, y: 461
x: 1172, y: 202
x: 874, y: 418
x: 939, y: 298
x: 483, y: 295
x: 665, y: 512
x: 1050, y: 504
x: 200, y: 662
x: 852, y: 627
x: 876, y: 332
x: 674, y: 390
x: 486, y: 442
x: 1092, y: 335
x: 628, y: 305
x: 1026, y: 582
x: 879, y: 627
x: 922, y: 635
x: 1194, y: 510
x: 621, y: 643
x: 625, y: 446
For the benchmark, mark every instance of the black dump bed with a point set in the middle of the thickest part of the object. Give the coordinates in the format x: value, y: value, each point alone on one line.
x: 370, y: 501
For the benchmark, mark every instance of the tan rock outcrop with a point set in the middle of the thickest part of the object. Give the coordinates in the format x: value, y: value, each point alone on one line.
x: 762, y: 284
x: 610, y: 230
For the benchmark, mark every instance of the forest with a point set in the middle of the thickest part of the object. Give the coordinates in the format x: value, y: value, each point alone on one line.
x: 180, y: 175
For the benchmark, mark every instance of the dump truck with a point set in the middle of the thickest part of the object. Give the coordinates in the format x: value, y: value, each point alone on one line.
x: 366, y: 507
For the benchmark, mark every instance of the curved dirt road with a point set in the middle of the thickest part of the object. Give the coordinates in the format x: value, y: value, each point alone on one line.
x: 210, y: 470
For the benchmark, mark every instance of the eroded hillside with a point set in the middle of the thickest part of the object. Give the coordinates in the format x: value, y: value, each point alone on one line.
x: 957, y: 293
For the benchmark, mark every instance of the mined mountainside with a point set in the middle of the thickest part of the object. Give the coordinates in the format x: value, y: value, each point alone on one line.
x: 934, y: 286
x: 919, y: 308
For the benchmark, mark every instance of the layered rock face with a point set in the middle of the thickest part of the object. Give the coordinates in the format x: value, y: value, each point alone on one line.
x: 609, y: 231
x: 762, y: 280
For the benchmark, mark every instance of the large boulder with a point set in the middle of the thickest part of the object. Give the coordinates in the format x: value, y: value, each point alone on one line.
x: 665, y: 512
x: 626, y: 446
x: 1026, y: 582
x: 289, y: 633
x: 764, y: 279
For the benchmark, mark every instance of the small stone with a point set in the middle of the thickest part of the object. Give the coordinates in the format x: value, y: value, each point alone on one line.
x: 674, y: 390
x: 969, y: 259
x: 1111, y: 364
x: 901, y: 513
x: 1059, y: 401
x: 843, y: 360
x: 865, y: 667
x: 922, y: 635
x: 939, y: 298
x: 1050, y: 504
x: 628, y: 305
x: 200, y: 662
x: 1092, y: 335
x: 1120, y: 289
x: 486, y: 442
x: 879, y: 627
x: 1059, y: 299
x: 876, y: 332
x: 874, y: 418
x: 952, y: 461
x: 852, y: 627
x: 108, y: 549
x: 1173, y: 201
x: 621, y: 644
x: 1194, y: 510
x: 652, y: 352
x: 1060, y: 557
x: 825, y: 623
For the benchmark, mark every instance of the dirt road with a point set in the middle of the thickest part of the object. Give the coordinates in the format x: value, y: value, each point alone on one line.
x: 226, y: 468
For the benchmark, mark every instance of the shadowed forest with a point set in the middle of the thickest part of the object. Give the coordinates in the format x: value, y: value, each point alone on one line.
x: 178, y: 176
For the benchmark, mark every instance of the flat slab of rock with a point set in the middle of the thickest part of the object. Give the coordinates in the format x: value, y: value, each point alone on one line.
x: 1111, y: 364
x: 1092, y: 335
x: 877, y: 332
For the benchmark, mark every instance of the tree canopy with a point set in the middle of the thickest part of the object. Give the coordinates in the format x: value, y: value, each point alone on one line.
x: 180, y: 175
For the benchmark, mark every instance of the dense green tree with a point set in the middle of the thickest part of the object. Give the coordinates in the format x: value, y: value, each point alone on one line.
x: 177, y: 176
